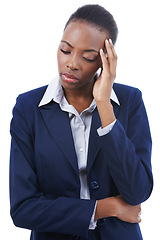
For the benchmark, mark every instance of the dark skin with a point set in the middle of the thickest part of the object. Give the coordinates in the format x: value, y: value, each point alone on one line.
x: 80, y: 94
x: 80, y: 55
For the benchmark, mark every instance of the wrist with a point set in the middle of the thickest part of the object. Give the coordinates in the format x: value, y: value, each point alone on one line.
x: 106, y: 112
x: 106, y: 208
x: 105, y: 102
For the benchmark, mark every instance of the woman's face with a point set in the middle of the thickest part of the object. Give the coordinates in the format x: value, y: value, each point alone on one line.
x: 78, y: 55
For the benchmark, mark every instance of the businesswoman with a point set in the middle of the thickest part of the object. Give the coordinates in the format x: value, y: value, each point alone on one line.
x: 81, y: 146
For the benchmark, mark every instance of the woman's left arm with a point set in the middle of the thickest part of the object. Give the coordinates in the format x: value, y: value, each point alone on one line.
x: 127, y: 152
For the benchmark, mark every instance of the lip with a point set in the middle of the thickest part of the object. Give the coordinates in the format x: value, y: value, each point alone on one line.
x: 68, y: 78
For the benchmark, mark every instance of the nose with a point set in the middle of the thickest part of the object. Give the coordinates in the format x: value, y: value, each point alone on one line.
x: 73, y: 62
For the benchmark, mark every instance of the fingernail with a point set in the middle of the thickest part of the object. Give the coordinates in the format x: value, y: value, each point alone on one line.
x: 106, y: 40
x: 110, y: 40
x: 102, y: 52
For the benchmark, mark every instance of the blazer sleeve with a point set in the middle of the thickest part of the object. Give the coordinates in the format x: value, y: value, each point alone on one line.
x: 127, y: 151
x: 29, y: 207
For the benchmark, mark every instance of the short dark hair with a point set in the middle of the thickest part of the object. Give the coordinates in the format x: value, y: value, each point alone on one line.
x: 98, y: 17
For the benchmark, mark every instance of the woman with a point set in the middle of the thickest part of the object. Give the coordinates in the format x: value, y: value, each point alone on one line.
x: 81, y: 147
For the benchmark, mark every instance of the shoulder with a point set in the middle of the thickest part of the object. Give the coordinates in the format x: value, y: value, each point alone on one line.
x: 33, y: 96
x: 125, y: 90
x: 28, y: 102
x: 26, y: 107
x: 126, y: 93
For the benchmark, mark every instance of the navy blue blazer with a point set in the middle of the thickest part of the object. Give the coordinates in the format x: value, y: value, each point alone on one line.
x: 44, y: 176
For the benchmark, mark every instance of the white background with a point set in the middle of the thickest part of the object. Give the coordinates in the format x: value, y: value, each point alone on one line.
x: 30, y: 31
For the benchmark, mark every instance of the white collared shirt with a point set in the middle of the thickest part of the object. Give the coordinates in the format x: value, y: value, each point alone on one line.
x: 80, y: 126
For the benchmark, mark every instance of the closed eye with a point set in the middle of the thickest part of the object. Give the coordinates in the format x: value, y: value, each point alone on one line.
x: 65, y: 52
x: 90, y: 60
x: 87, y: 59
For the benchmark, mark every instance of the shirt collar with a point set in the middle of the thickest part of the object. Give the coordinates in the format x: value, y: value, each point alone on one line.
x: 55, y: 92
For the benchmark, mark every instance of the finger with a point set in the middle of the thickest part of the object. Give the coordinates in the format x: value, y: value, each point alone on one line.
x: 105, y: 64
x: 112, y: 57
x: 108, y: 49
x: 139, y: 214
x: 113, y: 49
x: 139, y: 219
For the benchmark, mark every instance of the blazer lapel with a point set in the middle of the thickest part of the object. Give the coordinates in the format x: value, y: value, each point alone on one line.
x: 94, y: 147
x: 115, y: 108
x: 58, y: 124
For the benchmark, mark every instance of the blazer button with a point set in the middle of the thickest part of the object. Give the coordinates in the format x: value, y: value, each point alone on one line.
x: 94, y: 185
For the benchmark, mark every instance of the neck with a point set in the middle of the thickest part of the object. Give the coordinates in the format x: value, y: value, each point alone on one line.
x: 80, y: 100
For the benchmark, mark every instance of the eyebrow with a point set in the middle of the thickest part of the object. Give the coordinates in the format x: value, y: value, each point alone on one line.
x: 67, y: 43
x: 91, y: 50
x: 87, y: 50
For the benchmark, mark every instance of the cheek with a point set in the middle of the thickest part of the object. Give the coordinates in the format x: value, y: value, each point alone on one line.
x: 60, y: 59
x: 91, y: 69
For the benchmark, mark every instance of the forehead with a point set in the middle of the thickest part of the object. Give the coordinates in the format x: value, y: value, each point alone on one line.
x: 85, y: 36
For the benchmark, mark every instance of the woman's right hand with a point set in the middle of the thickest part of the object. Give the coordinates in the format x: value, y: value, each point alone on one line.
x: 117, y: 207
x: 126, y: 212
